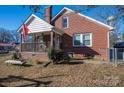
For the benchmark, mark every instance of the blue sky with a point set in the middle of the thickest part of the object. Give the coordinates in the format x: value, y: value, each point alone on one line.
x: 11, y: 17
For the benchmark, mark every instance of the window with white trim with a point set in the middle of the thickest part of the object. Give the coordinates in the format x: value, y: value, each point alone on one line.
x: 82, y: 39
x: 65, y: 22
x: 77, y: 39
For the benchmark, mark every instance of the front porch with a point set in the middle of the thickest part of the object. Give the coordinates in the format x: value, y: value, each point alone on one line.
x: 41, y: 35
x: 41, y: 41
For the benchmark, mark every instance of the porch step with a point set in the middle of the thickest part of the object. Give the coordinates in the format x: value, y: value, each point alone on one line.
x: 38, y: 56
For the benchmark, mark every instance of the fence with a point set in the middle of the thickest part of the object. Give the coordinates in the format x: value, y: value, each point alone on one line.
x: 34, y: 47
x: 116, y: 55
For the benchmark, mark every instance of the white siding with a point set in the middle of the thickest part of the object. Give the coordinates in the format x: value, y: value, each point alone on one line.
x: 39, y: 25
x: 35, y: 24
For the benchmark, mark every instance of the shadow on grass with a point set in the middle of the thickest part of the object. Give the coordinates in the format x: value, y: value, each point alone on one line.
x: 27, y: 65
x: 34, y: 83
x: 51, y: 76
x: 73, y: 62
x: 23, y: 65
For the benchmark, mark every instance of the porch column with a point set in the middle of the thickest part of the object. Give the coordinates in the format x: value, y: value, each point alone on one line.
x: 34, y: 42
x: 51, y: 38
x: 20, y: 42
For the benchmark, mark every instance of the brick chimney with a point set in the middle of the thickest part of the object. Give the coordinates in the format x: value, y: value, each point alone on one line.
x: 48, y: 14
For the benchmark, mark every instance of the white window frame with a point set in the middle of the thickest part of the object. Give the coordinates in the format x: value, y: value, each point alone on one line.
x: 67, y: 22
x: 81, y: 39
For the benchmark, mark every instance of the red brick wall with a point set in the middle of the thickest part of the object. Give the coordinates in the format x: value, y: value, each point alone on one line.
x: 78, y: 24
x: 48, y: 14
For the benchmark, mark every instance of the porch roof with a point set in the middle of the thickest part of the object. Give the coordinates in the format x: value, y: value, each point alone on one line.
x: 36, y: 25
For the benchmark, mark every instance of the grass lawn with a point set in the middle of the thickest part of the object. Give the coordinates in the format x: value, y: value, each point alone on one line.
x: 73, y: 74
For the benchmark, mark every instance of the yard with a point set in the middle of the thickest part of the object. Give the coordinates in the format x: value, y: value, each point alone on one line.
x: 74, y: 74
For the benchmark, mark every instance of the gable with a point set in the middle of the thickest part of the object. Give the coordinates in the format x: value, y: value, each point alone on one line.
x: 89, y: 18
x: 63, y: 11
x: 35, y: 24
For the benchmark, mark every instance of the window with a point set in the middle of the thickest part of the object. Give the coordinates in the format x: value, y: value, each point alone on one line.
x: 65, y: 22
x: 86, y: 39
x: 82, y: 39
x: 77, y: 39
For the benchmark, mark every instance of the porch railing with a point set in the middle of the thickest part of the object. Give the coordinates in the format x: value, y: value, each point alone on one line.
x: 34, y: 47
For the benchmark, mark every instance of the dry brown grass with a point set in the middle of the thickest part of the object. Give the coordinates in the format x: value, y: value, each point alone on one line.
x: 62, y: 75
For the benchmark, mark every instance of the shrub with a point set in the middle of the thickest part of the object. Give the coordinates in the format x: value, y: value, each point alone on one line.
x: 57, y: 56
x: 51, y: 54
x: 62, y: 57
x: 16, y: 56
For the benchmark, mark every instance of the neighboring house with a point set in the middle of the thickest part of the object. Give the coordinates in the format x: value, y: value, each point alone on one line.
x: 68, y: 31
x: 6, y: 47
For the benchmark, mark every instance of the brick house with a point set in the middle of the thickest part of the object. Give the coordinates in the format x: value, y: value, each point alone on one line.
x: 68, y: 31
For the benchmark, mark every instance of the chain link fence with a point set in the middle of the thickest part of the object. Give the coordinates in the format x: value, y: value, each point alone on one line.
x: 116, y: 55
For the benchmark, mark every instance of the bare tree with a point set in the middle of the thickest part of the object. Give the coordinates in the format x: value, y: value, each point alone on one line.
x: 5, y: 36
x: 16, y: 36
x: 34, y: 8
x: 83, y: 8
